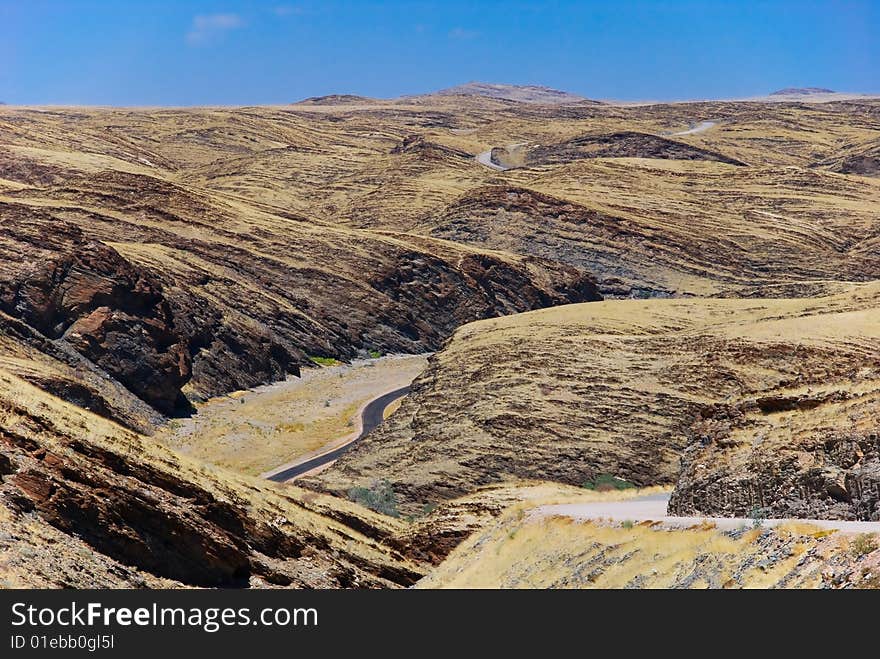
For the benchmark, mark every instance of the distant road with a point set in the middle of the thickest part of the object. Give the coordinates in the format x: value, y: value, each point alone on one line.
x: 653, y: 508
x: 485, y: 158
x: 699, y: 128
x: 371, y: 418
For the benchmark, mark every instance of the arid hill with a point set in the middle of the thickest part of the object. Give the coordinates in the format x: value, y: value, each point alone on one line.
x: 774, y: 404
x: 520, y: 93
x: 802, y: 91
x: 153, y: 258
x: 87, y: 503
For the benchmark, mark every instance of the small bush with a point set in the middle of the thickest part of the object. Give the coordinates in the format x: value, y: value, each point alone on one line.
x: 324, y: 361
x: 864, y: 544
x: 606, y: 483
x: 627, y: 524
x: 375, y: 354
x: 379, y: 496
x: 757, y: 515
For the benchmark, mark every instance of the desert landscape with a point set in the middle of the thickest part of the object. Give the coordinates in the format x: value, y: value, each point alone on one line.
x: 596, y: 318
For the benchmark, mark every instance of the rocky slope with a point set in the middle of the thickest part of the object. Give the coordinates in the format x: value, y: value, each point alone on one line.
x: 229, y: 295
x: 81, y: 293
x: 773, y: 403
x: 863, y: 160
x: 87, y: 503
x: 624, y: 144
x: 520, y: 550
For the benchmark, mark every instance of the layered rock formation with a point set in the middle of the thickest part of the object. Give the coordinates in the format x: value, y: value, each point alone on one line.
x: 82, y: 293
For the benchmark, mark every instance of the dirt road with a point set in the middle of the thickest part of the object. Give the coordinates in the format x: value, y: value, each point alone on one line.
x: 485, y: 158
x: 653, y: 508
x: 699, y: 128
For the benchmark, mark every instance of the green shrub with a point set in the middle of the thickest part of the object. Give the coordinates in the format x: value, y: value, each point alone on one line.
x: 324, y: 361
x: 864, y: 544
x: 607, y: 482
x: 627, y: 524
x: 375, y: 354
x: 379, y: 496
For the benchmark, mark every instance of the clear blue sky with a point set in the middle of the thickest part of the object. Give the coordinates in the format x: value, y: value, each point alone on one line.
x: 239, y: 52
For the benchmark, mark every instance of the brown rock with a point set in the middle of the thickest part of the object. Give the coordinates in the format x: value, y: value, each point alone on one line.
x: 81, y: 292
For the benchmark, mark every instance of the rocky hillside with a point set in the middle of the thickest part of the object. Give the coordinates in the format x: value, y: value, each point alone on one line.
x: 150, y: 258
x: 229, y: 294
x: 624, y: 144
x: 632, y: 260
x: 87, y: 503
x: 772, y: 403
x: 521, y: 550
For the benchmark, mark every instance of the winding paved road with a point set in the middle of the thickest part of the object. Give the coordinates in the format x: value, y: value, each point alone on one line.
x: 371, y: 418
x: 653, y: 508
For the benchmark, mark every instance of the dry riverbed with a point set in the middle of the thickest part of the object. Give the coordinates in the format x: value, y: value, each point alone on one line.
x: 255, y: 430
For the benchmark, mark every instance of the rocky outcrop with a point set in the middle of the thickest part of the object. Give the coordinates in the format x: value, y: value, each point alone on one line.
x: 429, y: 150
x: 828, y: 475
x: 81, y: 292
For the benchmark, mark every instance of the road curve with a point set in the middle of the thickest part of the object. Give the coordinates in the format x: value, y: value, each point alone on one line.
x: 653, y: 508
x: 485, y: 158
x: 371, y: 418
x: 699, y: 128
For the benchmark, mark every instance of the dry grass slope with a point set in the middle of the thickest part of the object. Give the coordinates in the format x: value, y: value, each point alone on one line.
x: 625, y: 387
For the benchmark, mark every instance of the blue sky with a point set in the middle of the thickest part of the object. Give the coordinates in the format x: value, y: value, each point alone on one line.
x: 239, y: 52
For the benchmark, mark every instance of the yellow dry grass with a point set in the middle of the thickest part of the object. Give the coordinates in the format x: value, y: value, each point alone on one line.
x: 257, y: 430
x: 521, y: 551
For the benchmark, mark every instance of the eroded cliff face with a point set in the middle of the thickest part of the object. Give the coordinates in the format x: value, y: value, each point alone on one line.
x: 81, y: 292
x: 827, y: 472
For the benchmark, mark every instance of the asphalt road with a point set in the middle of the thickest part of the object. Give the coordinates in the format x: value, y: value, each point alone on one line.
x: 371, y: 418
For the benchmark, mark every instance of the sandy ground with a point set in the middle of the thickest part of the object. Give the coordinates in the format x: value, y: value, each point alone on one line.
x: 257, y: 430
x: 370, y: 415
x: 653, y: 508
